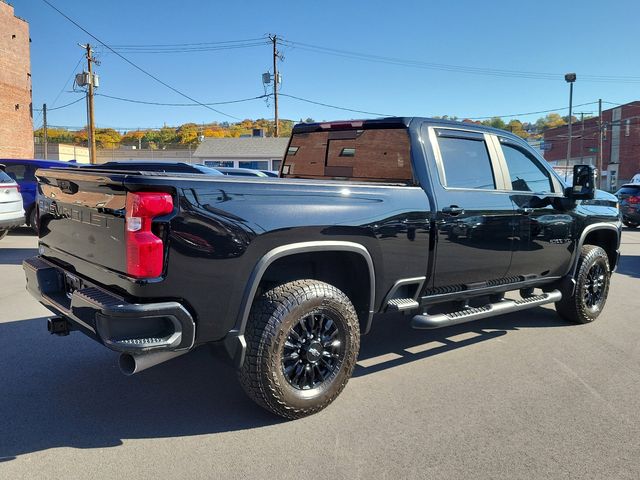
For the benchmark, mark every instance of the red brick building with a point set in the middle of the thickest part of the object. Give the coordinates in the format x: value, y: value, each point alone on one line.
x: 620, y: 146
x: 16, y: 120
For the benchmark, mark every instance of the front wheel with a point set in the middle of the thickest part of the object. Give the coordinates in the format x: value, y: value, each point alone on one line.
x: 592, y: 287
x: 302, y: 340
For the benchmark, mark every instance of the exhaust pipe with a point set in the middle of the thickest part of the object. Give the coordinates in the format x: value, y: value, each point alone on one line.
x: 132, y: 364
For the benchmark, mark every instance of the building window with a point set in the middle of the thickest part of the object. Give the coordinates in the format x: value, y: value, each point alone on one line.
x: 348, y: 152
x: 292, y: 151
x: 219, y: 163
x: 627, y: 128
x: 275, y: 164
x: 255, y: 164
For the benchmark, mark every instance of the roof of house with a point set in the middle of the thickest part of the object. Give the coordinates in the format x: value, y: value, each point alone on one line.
x: 249, y: 147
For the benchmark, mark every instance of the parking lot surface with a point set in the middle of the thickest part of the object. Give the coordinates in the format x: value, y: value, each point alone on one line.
x: 524, y: 395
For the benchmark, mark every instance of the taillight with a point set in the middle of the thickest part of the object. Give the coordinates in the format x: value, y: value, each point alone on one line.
x: 145, y: 251
x: 633, y: 200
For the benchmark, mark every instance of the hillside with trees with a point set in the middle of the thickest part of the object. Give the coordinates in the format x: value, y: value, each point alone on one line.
x: 189, y: 134
x: 181, y: 136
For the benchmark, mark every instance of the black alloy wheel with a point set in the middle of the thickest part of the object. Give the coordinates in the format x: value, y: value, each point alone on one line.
x: 313, y: 351
x: 594, y: 286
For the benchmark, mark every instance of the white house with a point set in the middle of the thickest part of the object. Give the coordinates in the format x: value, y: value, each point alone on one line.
x: 261, y: 153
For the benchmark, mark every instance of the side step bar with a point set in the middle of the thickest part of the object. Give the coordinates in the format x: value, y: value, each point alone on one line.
x: 426, y: 321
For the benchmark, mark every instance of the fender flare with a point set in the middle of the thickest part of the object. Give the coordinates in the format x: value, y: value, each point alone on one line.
x: 234, y: 342
x: 616, y: 227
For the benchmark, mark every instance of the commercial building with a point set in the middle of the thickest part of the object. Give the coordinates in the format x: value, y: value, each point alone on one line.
x: 131, y: 153
x: 620, y: 144
x: 63, y: 152
x: 262, y: 153
x: 16, y: 120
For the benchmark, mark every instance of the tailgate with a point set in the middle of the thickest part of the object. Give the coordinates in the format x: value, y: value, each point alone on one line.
x: 82, y: 217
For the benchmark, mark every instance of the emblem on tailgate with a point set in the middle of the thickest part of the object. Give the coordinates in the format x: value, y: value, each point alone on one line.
x: 77, y: 214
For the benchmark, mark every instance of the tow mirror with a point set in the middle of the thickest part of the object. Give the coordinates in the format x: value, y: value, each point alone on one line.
x: 584, y: 183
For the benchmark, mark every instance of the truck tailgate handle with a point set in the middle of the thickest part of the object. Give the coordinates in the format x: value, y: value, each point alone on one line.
x: 453, y: 210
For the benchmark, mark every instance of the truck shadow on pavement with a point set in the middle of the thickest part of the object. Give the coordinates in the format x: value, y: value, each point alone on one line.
x: 69, y: 392
x: 392, y: 341
x: 15, y: 256
x: 629, y: 265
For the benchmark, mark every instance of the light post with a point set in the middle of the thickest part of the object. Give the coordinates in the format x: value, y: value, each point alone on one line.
x: 569, y: 78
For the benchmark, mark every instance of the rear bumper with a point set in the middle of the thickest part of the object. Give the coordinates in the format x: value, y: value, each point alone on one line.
x: 133, y: 328
x: 631, y: 215
x: 11, y: 220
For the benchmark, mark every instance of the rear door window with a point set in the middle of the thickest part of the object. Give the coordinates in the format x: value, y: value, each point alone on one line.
x: 466, y: 162
x: 373, y: 155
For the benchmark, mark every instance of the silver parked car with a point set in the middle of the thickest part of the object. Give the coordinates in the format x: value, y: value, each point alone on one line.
x: 11, y: 211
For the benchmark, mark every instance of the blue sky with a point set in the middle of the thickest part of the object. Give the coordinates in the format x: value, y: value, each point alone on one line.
x: 588, y: 37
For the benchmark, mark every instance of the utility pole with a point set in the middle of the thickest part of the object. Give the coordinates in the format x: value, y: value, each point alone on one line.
x: 274, y: 40
x: 44, y: 126
x: 569, y: 78
x: 582, y: 114
x: 90, y: 118
x: 600, y: 140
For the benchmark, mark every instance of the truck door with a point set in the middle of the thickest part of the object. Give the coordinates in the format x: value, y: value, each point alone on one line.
x: 475, y: 218
x: 545, y: 235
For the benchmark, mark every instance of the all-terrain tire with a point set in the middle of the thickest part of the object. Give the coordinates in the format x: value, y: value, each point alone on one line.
x: 33, y: 220
x: 592, y: 287
x: 273, y: 316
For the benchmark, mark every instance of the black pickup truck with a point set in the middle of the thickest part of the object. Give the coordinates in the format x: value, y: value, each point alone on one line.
x: 432, y: 218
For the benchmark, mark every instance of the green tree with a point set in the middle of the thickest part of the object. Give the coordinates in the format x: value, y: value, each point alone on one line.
x: 107, y: 138
x: 495, y: 122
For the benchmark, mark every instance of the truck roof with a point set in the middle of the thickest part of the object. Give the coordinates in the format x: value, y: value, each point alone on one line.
x: 390, y: 122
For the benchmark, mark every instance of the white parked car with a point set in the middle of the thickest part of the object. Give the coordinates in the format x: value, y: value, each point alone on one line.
x: 636, y: 178
x: 11, y: 211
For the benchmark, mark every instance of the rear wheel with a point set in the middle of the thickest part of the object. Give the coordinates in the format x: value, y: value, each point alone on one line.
x: 302, y: 344
x: 33, y: 219
x: 592, y: 287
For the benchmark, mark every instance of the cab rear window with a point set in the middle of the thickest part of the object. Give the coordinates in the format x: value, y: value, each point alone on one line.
x: 374, y: 155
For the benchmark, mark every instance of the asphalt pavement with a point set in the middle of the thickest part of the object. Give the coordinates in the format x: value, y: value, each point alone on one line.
x: 524, y: 395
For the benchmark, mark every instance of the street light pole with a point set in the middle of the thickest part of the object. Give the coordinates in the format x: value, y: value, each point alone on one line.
x: 569, y: 78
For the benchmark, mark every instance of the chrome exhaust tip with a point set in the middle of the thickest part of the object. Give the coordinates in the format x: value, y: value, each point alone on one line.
x: 131, y: 364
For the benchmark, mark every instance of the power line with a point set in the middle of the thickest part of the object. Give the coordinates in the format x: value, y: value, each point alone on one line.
x: 528, y: 113
x: 187, y: 49
x: 334, y: 106
x: 454, y: 68
x: 62, y: 106
x: 135, y: 65
x: 246, y: 40
x: 144, y: 102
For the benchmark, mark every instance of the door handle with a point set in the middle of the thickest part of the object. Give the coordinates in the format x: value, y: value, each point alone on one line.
x: 525, y: 210
x: 453, y: 210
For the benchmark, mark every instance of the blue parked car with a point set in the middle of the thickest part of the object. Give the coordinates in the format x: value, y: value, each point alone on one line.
x: 23, y: 172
